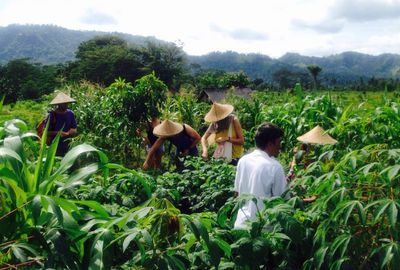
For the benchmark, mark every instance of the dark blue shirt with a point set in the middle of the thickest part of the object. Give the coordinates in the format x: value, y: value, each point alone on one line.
x: 64, y: 121
x: 183, y: 141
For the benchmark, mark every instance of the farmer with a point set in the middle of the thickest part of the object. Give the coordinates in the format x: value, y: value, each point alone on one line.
x: 316, y: 136
x: 259, y: 173
x: 150, y: 139
x: 225, y: 130
x: 62, y: 118
x: 183, y: 136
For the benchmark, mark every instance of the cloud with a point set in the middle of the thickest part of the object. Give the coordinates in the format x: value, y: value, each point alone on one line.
x: 324, y: 27
x: 247, y: 34
x: 366, y: 10
x: 240, y: 33
x: 97, y: 18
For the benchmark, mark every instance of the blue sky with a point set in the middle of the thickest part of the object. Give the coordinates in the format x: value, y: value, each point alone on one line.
x: 270, y: 27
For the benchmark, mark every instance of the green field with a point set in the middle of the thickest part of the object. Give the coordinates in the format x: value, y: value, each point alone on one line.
x: 96, y: 208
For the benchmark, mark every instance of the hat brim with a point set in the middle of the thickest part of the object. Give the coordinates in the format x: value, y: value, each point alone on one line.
x: 212, y: 116
x: 167, y: 129
x: 316, y: 136
x: 62, y: 98
x: 62, y: 102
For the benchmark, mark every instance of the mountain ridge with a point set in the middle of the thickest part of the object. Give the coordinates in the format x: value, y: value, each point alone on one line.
x: 51, y: 44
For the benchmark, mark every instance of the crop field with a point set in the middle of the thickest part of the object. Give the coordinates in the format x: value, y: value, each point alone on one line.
x: 97, y: 209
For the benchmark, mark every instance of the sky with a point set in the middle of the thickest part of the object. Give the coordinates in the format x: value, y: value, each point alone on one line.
x: 269, y: 27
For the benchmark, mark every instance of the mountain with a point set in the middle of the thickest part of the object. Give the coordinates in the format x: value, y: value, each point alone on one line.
x: 384, y: 65
x: 343, y: 68
x: 49, y: 44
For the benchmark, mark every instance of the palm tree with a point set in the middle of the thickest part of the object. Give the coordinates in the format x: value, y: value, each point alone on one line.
x: 314, y: 70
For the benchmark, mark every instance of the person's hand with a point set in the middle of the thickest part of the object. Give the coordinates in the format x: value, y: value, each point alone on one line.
x: 138, y: 132
x: 222, y: 139
x: 204, y: 155
x: 185, y: 153
x: 145, y: 166
x: 64, y: 134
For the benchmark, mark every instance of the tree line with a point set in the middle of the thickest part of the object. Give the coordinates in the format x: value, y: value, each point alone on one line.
x: 103, y: 59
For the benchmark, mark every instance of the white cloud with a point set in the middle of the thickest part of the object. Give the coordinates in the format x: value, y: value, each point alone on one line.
x: 366, y: 10
x: 97, y: 18
x: 272, y: 27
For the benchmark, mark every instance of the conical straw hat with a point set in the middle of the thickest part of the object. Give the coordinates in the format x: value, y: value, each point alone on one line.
x: 167, y: 128
x: 218, y: 112
x: 62, y: 98
x: 317, y: 136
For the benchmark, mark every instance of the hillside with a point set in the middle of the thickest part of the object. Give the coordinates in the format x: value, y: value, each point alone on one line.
x: 49, y: 44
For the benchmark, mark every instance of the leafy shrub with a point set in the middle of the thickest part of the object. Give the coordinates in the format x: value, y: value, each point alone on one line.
x: 201, y: 186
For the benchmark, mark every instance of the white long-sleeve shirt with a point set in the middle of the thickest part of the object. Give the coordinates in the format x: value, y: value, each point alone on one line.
x: 260, y: 175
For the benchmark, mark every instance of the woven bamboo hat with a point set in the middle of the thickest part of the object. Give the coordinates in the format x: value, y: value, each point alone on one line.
x: 62, y: 98
x: 218, y: 112
x: 167, y: 128
x: 317, y: 136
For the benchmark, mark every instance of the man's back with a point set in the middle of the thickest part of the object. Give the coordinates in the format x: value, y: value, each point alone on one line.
x: 260, y: 175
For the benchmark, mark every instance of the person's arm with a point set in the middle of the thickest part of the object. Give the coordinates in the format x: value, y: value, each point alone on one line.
x: 279, y: 185
x: 73, y: 129
x: 238, y: 177
x: 194, y: 135
x: 239, y: 140
x: 50, y: 119
x: 204, y: 144
x: 152, y: 152
x: 195, y: 138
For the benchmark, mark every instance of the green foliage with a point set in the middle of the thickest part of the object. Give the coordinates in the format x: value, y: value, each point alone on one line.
x: 184, y: 108
x: 218, y: 79
x: 114, y: 114
x: 201, y: 186
x: 105, y: 58
x: 167, y: 61
x: 32, y: 184
x: 71, y: 214
x: 20, y: 79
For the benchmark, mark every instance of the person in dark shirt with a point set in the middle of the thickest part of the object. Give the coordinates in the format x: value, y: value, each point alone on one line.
x: 183, y: 136
x: 62, y: 118
x: 149, y: 140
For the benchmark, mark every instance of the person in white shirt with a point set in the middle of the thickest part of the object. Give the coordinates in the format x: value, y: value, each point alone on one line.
x: 259, y: 173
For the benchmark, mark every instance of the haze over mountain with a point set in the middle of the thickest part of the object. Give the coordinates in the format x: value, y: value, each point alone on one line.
x: 49, y: 44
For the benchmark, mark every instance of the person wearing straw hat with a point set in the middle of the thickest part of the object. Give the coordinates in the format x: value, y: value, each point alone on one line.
x: 62, y: 119
x: 259, y: 173
x: 316, y: 136
x: 150, y: 139
x: 226, y: 131
x: 183, y: 136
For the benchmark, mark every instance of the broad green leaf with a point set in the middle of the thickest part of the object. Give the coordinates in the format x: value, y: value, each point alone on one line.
x: 392, y: 214
x: 388, y: 255
x: 128, y: 240
x: 95, y: 206
x: 319, y: 256
x: 393, y: 172
x: 175, y: 263
x: 56, y: 210
x: 201, y: 229
x: 36, y: 207
x: 224, y: 246
x: 79, y: 177
x: 340, y: 244
x: 385, y: 204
